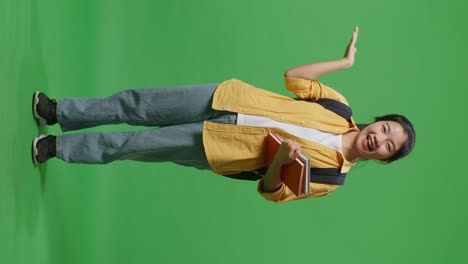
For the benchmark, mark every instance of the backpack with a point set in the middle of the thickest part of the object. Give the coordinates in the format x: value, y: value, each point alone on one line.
x: 318, y: 175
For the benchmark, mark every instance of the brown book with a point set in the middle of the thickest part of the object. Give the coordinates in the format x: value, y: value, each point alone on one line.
x: 296, y: 175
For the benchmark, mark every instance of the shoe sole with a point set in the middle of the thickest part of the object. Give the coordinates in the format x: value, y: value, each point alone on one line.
x: 34, y: 148
x: 40, y: 120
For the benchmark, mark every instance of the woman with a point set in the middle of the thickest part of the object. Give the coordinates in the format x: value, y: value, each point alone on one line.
x: 223, y: 128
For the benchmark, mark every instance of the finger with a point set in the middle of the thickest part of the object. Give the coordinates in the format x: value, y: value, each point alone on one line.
x: 353, y: 40
x: 355, y: 35
x: 293, y: 156
x: 295, y: 146
x: 296, y: 150
x: 291, y: 143
x: 296, y: 154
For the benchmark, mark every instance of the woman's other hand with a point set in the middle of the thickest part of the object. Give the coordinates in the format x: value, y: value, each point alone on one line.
x: 289, y: 150
x: 351, y: 49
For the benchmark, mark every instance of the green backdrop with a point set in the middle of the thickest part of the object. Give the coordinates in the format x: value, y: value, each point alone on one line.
x: 411, y: 59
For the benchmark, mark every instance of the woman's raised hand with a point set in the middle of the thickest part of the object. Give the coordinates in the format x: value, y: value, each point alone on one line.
x: 314, y: 70
x: 351, y: 49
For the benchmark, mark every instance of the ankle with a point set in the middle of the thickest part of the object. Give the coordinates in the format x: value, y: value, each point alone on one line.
x: 53, y: 146
x: 54, y: 111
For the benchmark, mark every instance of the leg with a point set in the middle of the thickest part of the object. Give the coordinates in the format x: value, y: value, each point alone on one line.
x: 144, y: 107
x: 182, y: 144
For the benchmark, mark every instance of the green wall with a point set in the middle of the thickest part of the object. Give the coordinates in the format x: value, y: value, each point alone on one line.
x: 411, y: 60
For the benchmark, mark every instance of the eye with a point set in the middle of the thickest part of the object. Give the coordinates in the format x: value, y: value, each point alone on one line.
x: 383, y: 129
x: 388, y: 147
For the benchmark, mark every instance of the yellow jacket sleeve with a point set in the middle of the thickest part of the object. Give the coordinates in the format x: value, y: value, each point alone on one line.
x: 307, y: 89
x: 284, y: 194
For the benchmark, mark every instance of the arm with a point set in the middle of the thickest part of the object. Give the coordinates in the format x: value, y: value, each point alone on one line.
x: 284, y: 194
x: 271, y: 186
x: 314, y: 70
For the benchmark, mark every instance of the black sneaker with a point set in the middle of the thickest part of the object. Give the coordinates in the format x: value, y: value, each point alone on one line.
x: 43, y: 148
x: 44, y: 109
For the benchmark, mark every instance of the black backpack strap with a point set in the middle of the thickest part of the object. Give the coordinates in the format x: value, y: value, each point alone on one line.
x: 329, y: 176
x: 336, y: 107
x: 249, y: 175
x: 245, y: 175
x: 332, y: 175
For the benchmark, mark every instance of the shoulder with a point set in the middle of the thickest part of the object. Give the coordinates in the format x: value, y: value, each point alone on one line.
x: 306, y: 88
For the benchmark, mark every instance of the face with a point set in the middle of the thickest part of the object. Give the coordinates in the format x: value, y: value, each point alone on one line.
x: 380, y: 140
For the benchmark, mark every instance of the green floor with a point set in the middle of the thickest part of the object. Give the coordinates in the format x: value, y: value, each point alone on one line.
x: 411, y: 60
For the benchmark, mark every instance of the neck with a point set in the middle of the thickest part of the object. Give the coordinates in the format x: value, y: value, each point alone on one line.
x: 349, y: 143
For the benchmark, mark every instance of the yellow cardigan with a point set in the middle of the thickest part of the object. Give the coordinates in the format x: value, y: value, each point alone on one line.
x: 231, y: 149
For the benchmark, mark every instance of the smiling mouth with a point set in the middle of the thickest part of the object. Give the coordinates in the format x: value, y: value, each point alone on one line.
x: 368, y: 143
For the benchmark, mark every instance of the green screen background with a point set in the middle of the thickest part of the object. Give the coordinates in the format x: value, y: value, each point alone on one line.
x: 411, y: 60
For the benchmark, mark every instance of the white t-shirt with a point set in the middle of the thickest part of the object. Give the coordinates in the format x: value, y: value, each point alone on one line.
x: 327, y: 139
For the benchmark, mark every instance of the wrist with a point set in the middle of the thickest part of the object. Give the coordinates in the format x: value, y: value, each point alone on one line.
x: 278, y: 162
x: 274, y: 167
x: 346, y: 62
x: 272, y: 180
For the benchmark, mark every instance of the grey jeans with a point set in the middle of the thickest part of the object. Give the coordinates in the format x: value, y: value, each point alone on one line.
x: 178, y: 112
